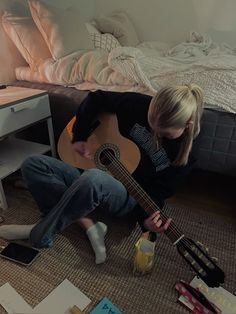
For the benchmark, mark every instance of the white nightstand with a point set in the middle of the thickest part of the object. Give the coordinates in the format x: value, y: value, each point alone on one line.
x: 19, y: 109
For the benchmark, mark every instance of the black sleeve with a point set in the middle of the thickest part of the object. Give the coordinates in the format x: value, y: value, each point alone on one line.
x: 130, y: 106
x: 95, y: 103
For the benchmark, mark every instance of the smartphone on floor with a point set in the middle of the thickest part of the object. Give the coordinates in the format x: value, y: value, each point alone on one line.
x: 19, y: 253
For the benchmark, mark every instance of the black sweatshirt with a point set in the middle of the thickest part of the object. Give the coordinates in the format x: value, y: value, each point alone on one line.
x: 154, y: 173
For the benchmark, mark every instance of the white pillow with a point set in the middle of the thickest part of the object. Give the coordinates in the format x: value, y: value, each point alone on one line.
x: 63, y: 30
x: 119, y: 25
x: 105, y: 41
x: 27, y: 38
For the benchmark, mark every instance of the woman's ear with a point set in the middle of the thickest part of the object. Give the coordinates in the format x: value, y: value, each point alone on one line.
x: 189, y: 123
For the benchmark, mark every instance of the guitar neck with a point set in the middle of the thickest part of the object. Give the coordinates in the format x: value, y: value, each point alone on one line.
x: 144, y: 200
x: 107, y: 157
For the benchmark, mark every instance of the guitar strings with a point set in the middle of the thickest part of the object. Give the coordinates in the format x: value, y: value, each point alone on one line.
x: 172, y: 228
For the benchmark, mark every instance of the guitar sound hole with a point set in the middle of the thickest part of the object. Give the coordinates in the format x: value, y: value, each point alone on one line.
x: 107, y: 156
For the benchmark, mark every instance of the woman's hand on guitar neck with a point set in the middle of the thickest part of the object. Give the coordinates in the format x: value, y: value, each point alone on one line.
x: 81, y: 148
x: 155, y: 224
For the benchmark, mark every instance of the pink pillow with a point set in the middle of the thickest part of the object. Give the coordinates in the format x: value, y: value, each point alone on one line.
x: 27, y: 38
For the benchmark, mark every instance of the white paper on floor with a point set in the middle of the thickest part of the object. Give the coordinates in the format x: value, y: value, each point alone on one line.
x: 60, y: 300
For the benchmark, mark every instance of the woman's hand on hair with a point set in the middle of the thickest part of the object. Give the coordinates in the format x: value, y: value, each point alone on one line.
x: 155, y: 224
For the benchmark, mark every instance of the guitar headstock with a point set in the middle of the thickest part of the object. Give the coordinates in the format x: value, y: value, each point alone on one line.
x: 200, y: 262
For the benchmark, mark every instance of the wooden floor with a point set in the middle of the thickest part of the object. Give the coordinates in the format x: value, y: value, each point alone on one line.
x: 208, y: 191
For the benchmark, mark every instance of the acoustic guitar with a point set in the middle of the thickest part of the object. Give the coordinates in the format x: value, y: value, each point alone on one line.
x: 120, y: 156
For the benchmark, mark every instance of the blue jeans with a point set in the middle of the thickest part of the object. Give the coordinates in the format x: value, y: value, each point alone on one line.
x: 64, y: 194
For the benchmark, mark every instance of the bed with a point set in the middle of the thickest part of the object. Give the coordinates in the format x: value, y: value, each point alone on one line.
x: 217, y: 145
x: 107, y: 54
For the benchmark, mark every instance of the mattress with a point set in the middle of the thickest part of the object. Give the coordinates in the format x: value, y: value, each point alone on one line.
x: 217, y: 148
x: 217, y: 143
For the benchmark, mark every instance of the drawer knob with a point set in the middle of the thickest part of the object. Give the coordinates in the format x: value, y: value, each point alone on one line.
x: 20, y: 107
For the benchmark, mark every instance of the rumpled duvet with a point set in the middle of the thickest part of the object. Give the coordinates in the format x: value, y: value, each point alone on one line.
x: 147, y: 68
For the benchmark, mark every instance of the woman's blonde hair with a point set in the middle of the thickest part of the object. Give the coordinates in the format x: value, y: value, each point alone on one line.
x: 178, y: 107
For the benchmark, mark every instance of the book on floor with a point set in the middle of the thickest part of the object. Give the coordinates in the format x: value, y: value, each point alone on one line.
x: 222, y: 298
x: 105, y: 306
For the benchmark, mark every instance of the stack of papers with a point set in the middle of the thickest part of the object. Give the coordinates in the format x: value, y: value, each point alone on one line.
x: 59, y: 301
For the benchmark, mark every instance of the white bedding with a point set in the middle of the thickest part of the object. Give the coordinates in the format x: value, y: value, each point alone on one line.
x: 148, y: 67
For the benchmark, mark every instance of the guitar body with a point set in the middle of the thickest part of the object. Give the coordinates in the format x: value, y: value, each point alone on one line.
x: 106, y: 133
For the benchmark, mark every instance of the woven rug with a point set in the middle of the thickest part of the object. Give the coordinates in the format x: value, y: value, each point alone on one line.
x: 71, y: 257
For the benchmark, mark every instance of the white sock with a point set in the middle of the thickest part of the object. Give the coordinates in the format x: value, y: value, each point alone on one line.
x: 15, y: 232
x: 96, y: 235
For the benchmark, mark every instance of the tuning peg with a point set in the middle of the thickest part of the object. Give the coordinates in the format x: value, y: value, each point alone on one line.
x: 203, y: 247
x: 215, y: 259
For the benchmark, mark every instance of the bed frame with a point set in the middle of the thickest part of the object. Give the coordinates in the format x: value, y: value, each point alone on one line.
x: 217, y: 145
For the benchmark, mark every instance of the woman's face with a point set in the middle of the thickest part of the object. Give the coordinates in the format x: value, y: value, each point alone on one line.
x: 170, y: 133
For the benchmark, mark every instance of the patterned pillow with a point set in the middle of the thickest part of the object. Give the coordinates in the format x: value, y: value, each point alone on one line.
x: 105, y: 41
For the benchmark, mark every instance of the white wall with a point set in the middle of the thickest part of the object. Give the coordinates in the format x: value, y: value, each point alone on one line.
x: 172, y: 20
x: 10, y: 58
x: 85, y: 7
